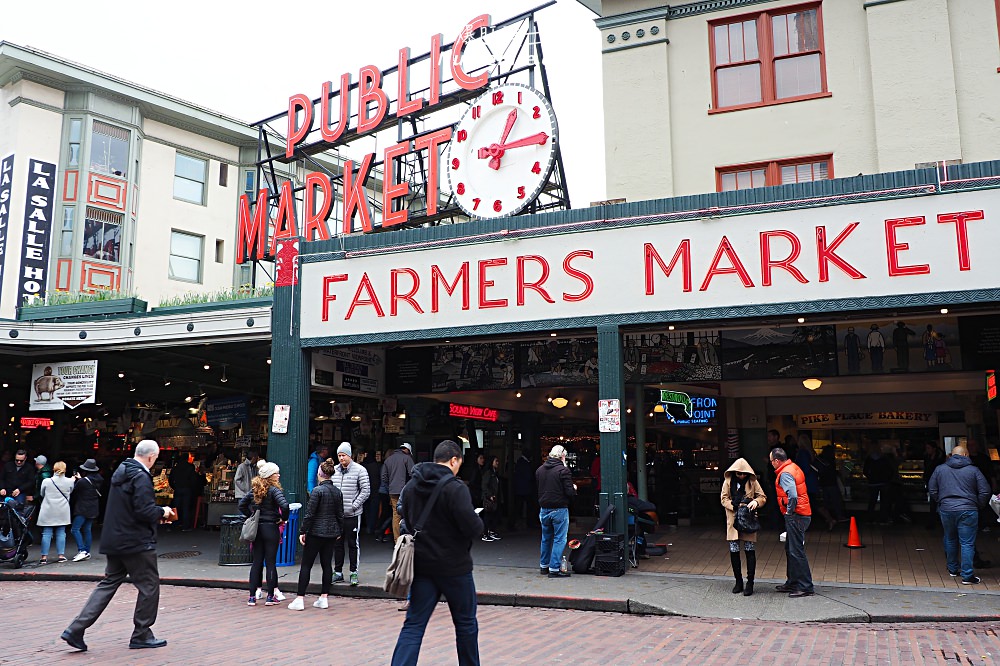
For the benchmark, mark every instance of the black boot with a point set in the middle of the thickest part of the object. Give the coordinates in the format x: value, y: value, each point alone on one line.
x: 751, y: 571
x: 737, y: 571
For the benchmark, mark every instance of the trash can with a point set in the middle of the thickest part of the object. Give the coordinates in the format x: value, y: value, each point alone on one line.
x: 290, y: 539
x: 232, y: 551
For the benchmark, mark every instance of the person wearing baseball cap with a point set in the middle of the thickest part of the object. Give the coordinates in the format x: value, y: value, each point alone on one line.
x: 396, y: 472
x: 555, y: 491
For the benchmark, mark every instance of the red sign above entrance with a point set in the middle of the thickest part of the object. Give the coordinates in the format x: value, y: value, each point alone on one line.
x: 30, y: 422
x: 472, y: 412
x: 991, y: 384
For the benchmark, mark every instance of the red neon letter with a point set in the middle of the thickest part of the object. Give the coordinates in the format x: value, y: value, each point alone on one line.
x: 284, y: 223
x: 370, y: 90
x: 766, y: 263
x: 366, y: 286
x: 355, y: 197
x: 894, y: 248
x: 827, y: 254
x: 252, y: 236
x: 485, y: 284
x: 737, y: 268
x: 588, y: 282
x: 314, y: 226
x: 683, y: 253
x: 408, y: 296
x: 522, y: 284
x: 332, y: 135
x: 391, y: 190
x: 962, y: 232
x: 438, y: 278
x: 296, y: 132
x: 327, y: 296
x: 405, y: 105
x: 430, y: 142
x: 435, y: 78
x: 463, y: 80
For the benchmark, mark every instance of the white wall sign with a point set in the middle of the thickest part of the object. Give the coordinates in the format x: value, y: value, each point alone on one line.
x: 55, y: 385
x: 350, y: 370
x: 38, y: 209
x: 279, y: 423
x: 904, y: 246
x: 609, y: 415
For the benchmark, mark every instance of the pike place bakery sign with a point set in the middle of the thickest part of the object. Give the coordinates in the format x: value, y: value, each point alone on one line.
x: 868, y: 420
x: 917, y: 245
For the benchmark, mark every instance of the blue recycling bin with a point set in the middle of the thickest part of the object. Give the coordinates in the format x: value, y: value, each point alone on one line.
x: 290, y: 539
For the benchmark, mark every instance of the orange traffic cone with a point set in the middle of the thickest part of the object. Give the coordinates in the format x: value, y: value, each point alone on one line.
x: 853, y: 538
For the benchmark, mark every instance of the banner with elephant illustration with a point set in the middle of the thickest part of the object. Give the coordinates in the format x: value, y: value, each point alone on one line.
x: 61, y: 385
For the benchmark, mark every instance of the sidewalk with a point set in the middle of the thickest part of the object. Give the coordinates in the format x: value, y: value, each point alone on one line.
x: 506, y: 573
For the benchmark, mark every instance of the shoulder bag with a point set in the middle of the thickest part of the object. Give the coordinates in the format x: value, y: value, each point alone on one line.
x: 746, y: 520
x: 249, y: 531
x: 399, y: 574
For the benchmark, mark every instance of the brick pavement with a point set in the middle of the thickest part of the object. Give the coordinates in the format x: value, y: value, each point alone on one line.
x: 213, y: 626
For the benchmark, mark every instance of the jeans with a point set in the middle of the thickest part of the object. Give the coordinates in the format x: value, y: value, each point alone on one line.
x: 555, y: 526
x: 81, y: 532
x: 960, y: 535
x: 460, y: 593
x: 799, y: 576
x: 60, y: 531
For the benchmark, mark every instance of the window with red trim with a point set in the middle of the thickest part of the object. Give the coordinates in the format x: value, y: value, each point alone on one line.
x: 768, y: 58
x: 778, y: 172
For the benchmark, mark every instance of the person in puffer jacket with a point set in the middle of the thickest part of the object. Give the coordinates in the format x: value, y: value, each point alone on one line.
x: 319, y: 531
x: 352, y: 481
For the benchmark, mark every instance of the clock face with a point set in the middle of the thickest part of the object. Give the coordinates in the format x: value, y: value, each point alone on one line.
x: 502, y: 151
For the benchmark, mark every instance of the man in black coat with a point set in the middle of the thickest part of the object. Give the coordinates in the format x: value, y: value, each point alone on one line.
x: 129, y: 541
x: 442, y: 561
x: 555, y: 492
x: 18, y: 478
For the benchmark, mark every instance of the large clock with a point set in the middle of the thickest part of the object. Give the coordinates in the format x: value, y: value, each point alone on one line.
x: 502, y: 151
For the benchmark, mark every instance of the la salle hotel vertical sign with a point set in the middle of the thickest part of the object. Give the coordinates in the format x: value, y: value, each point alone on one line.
x: 6, y: 187
x: 39, y: 203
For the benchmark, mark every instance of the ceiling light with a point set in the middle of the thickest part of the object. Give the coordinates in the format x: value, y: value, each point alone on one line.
x: 944, y: 310
x: 578, y: 403
x: 166, y: 381
x: 269, y: 361
x: 559, y: 402
x: 517, y: 395
x: 628, y: 411
x: 223, y: 379
x: 552, y: 335
x: 356, y: 417
x: 5, y: 384
x: 659, y: 408
x: 651, y: 415
x: 207, y: 366
x: 10, y: 404
x: 801, y: 320
x: 401, y: 415
x: 188, y: 398
x: 710, y: 430
x: 121, y: 375
x: 549, y: 398
x: 333, y: 402
x: 670, y: 328
x: 131, y: 387
x: 812, y: 383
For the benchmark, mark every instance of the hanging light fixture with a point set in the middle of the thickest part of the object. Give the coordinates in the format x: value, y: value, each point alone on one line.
x: 166, y: 381
x: 131, y: 387
x: 121, y: 375
x: 812, y: 383
x: 559, y: 401
x: 223, y: 379
x: 207, y: 366
x: 659, y: 408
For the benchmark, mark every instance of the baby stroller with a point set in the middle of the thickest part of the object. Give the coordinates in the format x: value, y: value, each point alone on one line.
x: 15, y: 537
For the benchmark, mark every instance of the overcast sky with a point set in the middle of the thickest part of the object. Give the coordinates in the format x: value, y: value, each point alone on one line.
x: 245, y: 58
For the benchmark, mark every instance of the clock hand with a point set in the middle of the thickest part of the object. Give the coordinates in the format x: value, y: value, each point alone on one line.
x: 510, y: 125
x: 496, y: 150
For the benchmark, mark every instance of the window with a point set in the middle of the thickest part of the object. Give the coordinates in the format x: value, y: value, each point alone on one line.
x: 185, y: 256
x: 768, y: 58
x: 189, y: 179
x: 223, y: 174
x: 108, y: 149
x: 102, y: 234
x: 75, y: 131
x: 66, y: 237
x: 220, y: 251
x: 781, y: 172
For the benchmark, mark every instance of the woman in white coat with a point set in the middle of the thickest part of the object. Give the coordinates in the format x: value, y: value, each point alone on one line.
x: 54, y: 514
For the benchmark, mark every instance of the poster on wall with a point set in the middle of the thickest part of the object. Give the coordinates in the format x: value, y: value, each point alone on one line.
x: 59, y: 385
x: 408, y: 370
x: 980, y: 342
x: 38, y: 206
x: 6, y: 188
x: 559, y: 362
x: 766, y: 352
x: 671, y: 356
x: 353, y: 370
x: 899, y: 346
x: 483, y: 366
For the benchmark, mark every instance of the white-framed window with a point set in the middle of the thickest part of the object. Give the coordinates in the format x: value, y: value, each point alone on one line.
x: 186, y: 252
x: 108, y: 149
x: 189, y: 179
x: 102, y: 234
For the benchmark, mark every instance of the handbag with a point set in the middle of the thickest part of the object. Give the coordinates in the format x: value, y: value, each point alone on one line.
x: 399, y: 573
x: 746, y: 520
x: 249, y: 531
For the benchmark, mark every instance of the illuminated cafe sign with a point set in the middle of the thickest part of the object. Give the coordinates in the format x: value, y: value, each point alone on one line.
x: 681, y: 408
x: 32, y: 422
x: 372, y: 108
x: 472, y: 412
x: 868, y: 420
x: 991, y: 385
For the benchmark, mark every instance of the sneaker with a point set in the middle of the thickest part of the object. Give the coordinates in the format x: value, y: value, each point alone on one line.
x: 61, y: 559
x: 543, y: 570
x: 354, y: 579
x: 338, y: 577
x: 81, y: 556
x: 558, y: 574
x: 321, y: 603
x: 486, y: 537
x: 494, y: 536
x: 953, y: 575
x: 975, y: 580
x: 297, y: 604
x: 271, y: 601
x: 252, y: 601
x: 278, y: 595
x: 260, y: 593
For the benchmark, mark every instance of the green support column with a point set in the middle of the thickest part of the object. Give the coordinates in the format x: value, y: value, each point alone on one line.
x: 611, y: 386
x: 289, y: 386
x: 640, y: 442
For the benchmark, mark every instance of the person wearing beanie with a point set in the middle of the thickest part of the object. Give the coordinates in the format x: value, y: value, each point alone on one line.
x: 267, y: 497
x: 555, y: 491
x: 395, y: 473
x: 352, y: 481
